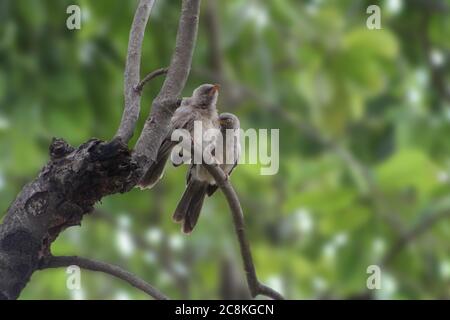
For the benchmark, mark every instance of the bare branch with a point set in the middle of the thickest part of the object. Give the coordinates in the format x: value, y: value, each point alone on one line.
x: 75, y: 179
x: 98, y: 266
x: 67, y: 188
x: 416, y: 231
x: 149, y: 77
x: 166, y: 102
x: 255, y: 286
x: 132, y: 71
x: 163, y: 253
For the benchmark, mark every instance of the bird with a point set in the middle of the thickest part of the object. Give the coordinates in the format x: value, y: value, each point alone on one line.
x: 201, y: 106
x: 199, y: 182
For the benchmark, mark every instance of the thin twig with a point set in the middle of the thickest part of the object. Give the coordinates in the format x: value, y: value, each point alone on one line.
x: 416, y: 231
x: 132, y: 71
x: 255, y: 286
x: 149, y: 77
x: 98, y: 266
x: 140, y: 242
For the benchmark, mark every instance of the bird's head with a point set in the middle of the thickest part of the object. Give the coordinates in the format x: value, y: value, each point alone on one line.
x: 206, y: 95
x: 229, y: 121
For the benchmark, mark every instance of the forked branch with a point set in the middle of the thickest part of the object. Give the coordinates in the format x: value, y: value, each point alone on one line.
x: 166, y: 102
x: 132, y: 71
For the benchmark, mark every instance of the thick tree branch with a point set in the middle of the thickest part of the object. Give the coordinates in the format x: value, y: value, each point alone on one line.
x: 76, y: 178
x: 255, y: 286
x: 66, y: 188
x: 132, y: 71
x: 88, y: 264
x: 165, y: 103
x: 149, y: 77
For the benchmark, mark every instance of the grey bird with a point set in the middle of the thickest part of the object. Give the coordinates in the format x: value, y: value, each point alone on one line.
x: 200, y: 107
x: 200, y: 183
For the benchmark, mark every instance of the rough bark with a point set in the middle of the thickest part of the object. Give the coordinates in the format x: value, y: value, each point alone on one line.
x: 66, y: 188
x: 76, y: 178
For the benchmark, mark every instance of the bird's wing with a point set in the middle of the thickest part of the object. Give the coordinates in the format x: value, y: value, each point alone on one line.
x: 237, y: 153
x: 180, y: 120
x: 189, y: 173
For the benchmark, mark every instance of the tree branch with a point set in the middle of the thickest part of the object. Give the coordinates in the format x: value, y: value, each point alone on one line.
x: 75, y: 179
x: 149, y: 77
x: 166, y: 102
x: 65, y: 190
x: 132, y: 71
x: 164, y: 260
x: 254, y: 285
x: 416, y: 231
x: 98, y: 266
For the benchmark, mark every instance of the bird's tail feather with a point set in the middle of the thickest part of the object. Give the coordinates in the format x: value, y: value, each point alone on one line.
x: 190, y: 205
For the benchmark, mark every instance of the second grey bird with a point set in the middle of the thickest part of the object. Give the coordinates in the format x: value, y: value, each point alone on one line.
x: 200, y: 183
x: 200, y: 107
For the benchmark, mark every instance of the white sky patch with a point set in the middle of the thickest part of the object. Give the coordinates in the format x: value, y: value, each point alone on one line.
x: 153, y: 235
x: 413, y: 96
x: 329, y: 251
x: 122, y: 295
x: 447, y: 114
x: 444, y: 269
x: 124, y: 243
x: 150, y: 257
x: 176, y: 242
x: 394, y: 6
x: 319, y: 284
x: 442, y: 177
x: 73, y: 235
x: 124, y: 221
x: 303, y: 221
x: 180, y: 269
x: 312, y: 7
x: 2, y: 180
x: 85, y: 14
x: 165, y: 278
x: 276, y: 283
x: 388, y: 286
x: 4, y: 123
x: 257, y: 14
x: 378, y: 246
x: 77, y: 294
x: 341, y: 239
x: 422, y: 76
x: 437, y: 58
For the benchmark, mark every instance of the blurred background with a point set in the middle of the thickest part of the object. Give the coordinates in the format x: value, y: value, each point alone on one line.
x: 364, y: 119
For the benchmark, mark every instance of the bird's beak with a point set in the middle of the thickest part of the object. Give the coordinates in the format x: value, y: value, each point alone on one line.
x: 214, y: 89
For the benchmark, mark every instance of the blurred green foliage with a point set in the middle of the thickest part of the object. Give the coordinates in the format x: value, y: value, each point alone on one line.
x: 376, y: 165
